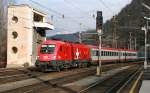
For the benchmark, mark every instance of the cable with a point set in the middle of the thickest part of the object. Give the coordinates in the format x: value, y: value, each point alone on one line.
x: 54, y: 11
x: 49, y: 9
x: 103, y: 3
x: 76, y: 6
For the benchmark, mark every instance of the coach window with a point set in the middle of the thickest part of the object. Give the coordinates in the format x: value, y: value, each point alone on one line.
x: 97, y: 53
x: 105, y: 53
x: 102, y: 53
x: 94, y: 53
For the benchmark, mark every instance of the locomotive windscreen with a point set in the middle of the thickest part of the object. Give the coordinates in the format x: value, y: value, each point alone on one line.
x: 47, y: 49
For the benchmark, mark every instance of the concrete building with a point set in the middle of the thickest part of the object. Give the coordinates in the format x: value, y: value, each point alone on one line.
x: 3, y: 33
x: 26, y: 31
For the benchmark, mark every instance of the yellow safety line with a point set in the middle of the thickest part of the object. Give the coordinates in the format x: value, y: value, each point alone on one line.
x: 135, y: 83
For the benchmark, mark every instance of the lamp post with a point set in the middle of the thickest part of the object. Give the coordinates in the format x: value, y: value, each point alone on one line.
x: 146, y: 30
x: 80, y: 39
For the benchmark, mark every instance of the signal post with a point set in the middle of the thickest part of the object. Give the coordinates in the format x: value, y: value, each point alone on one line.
x: 99, y: 24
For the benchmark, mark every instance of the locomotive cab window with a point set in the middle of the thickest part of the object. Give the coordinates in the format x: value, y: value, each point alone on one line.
x: 47, y: 49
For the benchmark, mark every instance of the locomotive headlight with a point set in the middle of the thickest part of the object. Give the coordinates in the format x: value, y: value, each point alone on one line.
x: 59, y: 57
x: 54, y: 57
x: 37, y: 57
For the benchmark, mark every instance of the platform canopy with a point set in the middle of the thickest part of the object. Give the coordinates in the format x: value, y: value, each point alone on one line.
x: 46, y: 26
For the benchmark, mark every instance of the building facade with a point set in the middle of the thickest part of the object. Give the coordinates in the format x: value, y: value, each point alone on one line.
x: 26, y: 31
x: 3, y: 33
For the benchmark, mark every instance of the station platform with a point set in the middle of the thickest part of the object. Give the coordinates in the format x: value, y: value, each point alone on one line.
x: 145, y: 87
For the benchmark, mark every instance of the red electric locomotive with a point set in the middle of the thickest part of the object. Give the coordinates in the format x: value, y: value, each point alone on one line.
x: 56, y: 55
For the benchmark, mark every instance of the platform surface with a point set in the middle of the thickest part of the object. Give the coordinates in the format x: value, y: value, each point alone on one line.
x: 145, y: 87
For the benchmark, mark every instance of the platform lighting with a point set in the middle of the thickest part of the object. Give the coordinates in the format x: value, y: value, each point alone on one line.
x: 146, y: 6
x: 146, y: 30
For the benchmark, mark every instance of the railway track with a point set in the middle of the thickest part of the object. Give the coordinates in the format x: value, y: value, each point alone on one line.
x: 57, y: 82
x: 116, y: 84
x: 11, y: 75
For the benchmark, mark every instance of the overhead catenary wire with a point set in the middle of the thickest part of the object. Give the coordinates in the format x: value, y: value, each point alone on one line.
x: 103, y: 3
x: 79, y: 9
x: 58, y: 14
x: 49, y: 9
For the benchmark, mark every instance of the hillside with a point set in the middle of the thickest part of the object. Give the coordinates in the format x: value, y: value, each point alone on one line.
x: 129, y: 20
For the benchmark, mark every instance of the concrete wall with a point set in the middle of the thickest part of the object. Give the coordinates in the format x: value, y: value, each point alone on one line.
x: 19, y: 47
x: 23, y: 37
x: 3, y: 33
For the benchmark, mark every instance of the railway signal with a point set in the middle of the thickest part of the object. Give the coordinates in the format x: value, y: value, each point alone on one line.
x: 99, y: 24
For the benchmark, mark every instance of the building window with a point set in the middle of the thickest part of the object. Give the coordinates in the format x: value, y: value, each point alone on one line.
x: 15, y: 34
x: 15, y: 50
x: 15, y: 19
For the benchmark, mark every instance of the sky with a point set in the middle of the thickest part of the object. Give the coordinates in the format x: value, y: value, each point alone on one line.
x: 69, y: 16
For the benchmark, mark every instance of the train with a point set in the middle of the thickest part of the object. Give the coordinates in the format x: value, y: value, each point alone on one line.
x: 57, y: 55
